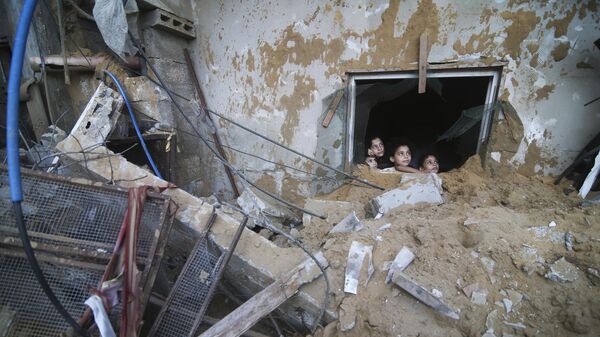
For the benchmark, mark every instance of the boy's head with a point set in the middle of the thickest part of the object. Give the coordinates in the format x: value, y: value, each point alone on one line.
x: 429, y: 164
x: 376, y: 147
x: 371, y: 161
x: 401, y: 155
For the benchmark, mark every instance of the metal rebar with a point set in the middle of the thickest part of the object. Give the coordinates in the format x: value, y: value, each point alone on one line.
x: 214, y: 134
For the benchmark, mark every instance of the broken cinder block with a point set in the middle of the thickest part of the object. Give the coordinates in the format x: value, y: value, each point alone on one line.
x: 413, y: 189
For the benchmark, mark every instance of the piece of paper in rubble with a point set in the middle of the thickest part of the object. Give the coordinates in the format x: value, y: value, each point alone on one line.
x: 356, y: 258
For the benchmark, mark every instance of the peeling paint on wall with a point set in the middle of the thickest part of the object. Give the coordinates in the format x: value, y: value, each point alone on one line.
x: 270, y: 65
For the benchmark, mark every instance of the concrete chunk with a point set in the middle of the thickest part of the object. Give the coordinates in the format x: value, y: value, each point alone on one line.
x: 415, y: 188
x: 562, y: 271
x: 256, y: 206
x: 349, y: 224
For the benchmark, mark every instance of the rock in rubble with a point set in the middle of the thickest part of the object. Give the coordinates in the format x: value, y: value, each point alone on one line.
x: 562, y: 271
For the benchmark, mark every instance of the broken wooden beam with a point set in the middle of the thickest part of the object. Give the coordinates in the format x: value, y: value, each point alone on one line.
x: 333, y: 108
x: 423, y: 54
x: 257, y: 307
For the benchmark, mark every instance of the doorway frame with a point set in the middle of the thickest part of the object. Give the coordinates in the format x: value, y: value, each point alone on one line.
x: 493, y: 72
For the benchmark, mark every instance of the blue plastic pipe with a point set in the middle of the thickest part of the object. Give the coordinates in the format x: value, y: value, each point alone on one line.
x: 12, y: 145
x: 12, y: 109
x: 135, y: 125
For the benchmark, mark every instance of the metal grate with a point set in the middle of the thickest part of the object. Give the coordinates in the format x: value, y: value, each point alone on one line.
x: 188, y: 294
x: 34, y: 315
x: 80, y: 215
x: 70, y: 223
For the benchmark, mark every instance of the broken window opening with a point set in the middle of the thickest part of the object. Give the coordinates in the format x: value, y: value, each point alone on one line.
x: 458, y: 103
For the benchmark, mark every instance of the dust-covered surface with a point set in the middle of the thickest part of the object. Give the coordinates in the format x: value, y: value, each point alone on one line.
x: 491, y: 239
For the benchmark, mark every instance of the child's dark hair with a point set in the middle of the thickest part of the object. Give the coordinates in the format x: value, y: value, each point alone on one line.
x: 401, y: 143
x: 424, y: 157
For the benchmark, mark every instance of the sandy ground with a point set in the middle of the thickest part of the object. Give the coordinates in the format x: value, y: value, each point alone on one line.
x: 492, y: 234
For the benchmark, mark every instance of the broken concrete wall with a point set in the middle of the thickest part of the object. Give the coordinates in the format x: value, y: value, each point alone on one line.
x: 274, y: 66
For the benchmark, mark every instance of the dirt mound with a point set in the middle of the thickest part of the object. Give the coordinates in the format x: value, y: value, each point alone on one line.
x: 499, y: 236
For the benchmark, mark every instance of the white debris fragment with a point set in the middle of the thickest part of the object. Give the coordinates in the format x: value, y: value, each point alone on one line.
x: 488, y: 263
x: 562, y: 271
x: 489, y: 333
x: 416, y: 188
x: 479, y: 297
x: 384, y: 227
x: 515, y: 325
x: 468, y: 290
x: 436, y: 293
x: 496, y: 156
x: 514, y: 296
x: 356, y: 257
x: 349, y: 224
x: 507, y: 305
x: 552, y: 224
x: 569, y: 239
x: 401, y: 261
x: 378, y: 238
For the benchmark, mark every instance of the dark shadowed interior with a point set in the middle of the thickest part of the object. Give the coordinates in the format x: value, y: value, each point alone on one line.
x: 397, y: 113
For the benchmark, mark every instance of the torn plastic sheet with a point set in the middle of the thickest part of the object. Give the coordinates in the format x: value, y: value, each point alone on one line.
x: 100, y: 316
x: 111, y: 19
x: 356, y: 257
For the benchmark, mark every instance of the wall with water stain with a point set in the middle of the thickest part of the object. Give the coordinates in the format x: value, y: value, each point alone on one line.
x: 273, y: 66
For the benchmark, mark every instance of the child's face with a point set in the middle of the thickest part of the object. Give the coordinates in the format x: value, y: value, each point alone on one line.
x: 376, y: 149
x: 430, y: 164
x: 371, y: 161
x: 401, y: 156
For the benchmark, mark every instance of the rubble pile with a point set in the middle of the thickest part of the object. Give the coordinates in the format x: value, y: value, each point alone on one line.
x: 514, y: 256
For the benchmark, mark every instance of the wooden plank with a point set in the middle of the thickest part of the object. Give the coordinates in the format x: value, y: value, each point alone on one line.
x: 37, y: 111
x: 246, y: 315
x: 423, y: 54
x: 422, y: 294
x: 333, y: 107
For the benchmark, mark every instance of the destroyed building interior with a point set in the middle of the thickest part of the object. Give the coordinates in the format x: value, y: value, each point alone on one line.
x: 299, y: 168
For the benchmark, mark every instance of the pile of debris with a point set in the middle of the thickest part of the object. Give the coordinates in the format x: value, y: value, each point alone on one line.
x: 493, y: 256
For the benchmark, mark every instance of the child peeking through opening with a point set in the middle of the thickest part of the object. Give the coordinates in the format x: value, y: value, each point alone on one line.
x: 401, y: 160
x: 429, y: 164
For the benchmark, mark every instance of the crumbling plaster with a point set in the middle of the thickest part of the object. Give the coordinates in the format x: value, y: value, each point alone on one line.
x: 274, y: 65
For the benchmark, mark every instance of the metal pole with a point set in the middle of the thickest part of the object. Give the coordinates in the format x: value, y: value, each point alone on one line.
x: 214, y: 134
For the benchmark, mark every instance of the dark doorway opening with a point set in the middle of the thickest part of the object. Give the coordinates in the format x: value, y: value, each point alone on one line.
x: 393, y: 110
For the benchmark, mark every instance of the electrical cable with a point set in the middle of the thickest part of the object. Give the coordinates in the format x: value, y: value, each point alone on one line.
x: 12, y: 140
x: 215, y: 153
x: 135, y: 125
x: 292, y: 150
x: 256, y: 133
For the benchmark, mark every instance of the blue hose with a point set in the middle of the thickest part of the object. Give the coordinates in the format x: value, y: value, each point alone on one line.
x: 12, y: 145
x: 135, y: 125
x: 12, y: 110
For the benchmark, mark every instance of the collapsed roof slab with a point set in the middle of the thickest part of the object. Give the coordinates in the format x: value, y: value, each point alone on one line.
x: 256, y: 261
